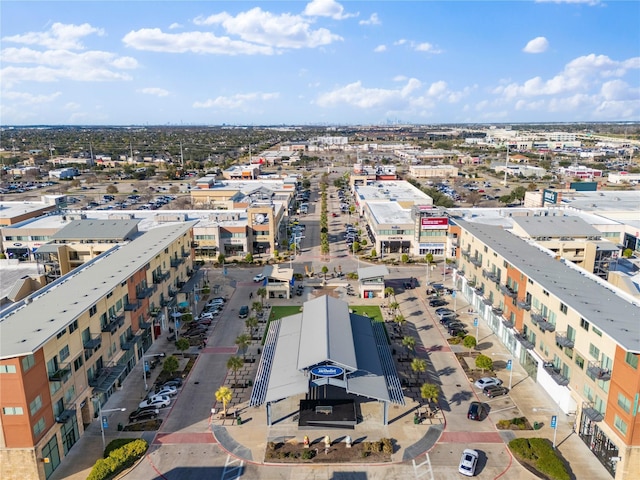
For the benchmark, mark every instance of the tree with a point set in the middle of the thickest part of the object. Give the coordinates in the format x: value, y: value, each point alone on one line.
x: 418, y: 365
x: 400, y: 320
x: 484, y: 363
x: 469, y: 342
x: 112, y: 189
x: 325, y: 269
x: 248, y: 258
x: 251, y: 323
x: 374, y: 254
x: 473, y: 198
x: 429, y: 258
x: 182, y: 344
x: 355, y: 247
x: 404, y: 258
x: 627, y: 253
x: 262, y: 293
x: 430, y: 392
x: 234, y: 364
x: 257, y: 307
x: 170, y: 364
x: 224, y: 395
x: 243, y: 341
x: 389, y: 292
x: 221, y: 258
x: 409, y: 343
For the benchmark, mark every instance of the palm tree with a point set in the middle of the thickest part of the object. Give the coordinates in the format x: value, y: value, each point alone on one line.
x: 394, y: 306
x: 243, y: 341
x: 262, y: 293
x: 390, y: 292
x: 430, y: 392
x: 409, y: 343
x: 257, y: 307
x: 400, y: 320
x: 251, y: 323
x: 234, y: 364
x: 418, y: 365
x: 224, y: 395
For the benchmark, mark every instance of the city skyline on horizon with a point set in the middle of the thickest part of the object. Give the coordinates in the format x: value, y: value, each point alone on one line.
x: 292, y: 63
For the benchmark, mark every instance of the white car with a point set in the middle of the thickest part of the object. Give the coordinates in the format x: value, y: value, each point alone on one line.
x: 168, y: 391
x: 468, y: 462
x: 156, y: 401
x: 207, y: 315
x: 487, y: 382
x: 258, y: 278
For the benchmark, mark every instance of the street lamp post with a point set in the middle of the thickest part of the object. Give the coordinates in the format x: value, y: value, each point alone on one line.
x: 144, y: 366
x: 554, y: 421
x: 509, y: 365
x: 103, y: 421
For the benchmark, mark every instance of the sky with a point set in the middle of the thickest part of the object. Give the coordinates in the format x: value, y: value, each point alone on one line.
x: 318, y: 62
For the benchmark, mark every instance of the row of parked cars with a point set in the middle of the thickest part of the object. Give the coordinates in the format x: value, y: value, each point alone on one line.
x: 155, y: 400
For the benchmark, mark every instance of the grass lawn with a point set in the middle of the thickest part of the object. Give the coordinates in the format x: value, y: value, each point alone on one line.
x: 371, y: 311
x: 279, y: 312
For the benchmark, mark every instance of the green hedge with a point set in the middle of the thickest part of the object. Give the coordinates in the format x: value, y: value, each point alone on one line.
x: 541, y: 455
x: 118, y: 460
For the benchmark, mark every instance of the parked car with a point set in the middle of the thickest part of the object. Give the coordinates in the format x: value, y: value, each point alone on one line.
x: 143, y: 414
x: 457, y: 331
x: 484, y: 382
x: 258, y: 278
x: 175, y: 382
x: 454, y: 325
x: 468, y: 462
x: 495, y: 391
x: 443, y: 311
x: 437, y: 302
x: 169, y: 391
x: 157, y: 401
x: 244, y: 311
x: 477, y: 411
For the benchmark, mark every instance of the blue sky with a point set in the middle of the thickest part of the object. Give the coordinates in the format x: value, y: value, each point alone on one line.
x: 318, y: 62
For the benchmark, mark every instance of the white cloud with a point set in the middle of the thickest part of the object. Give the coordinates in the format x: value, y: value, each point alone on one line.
x: 158, y: 92
x: 326, y: 8
x: 372, y: 20
x: 175, y: 26
x: 26, y: 98
x: 71, y: 106
x: 537, y: 45
x: 380, y: 48
x: 267, y: 29
x: 155, y: 40
x: 425, y: 47
x: 59, y: 36
x: 399, y: 78
x: 356, y: 95
x: 402, y: 41
x: 239, y: 101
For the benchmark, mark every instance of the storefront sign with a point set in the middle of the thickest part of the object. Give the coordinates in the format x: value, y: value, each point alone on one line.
x: 327, y: 371
x: 550, y: 196
x: 434, y: 222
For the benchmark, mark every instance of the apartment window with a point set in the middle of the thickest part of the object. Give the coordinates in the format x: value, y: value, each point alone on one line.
x: 563, y: 308
x: 594, y: 351
x: 28, y: 362
x: 624, y: 403
x: 110, y: 294
x: 584, y: 324
x: 620, y: 424
x: 93, y: 310
x: 38, y: 428
x: 77, y: 363
x: 631, y: 359
x: 73, y: 327
x: 12, y: 410
x: 64, y: 353
x: 579, y: 361
x: 35, y: 405
x: 486, y: 249
x: 571, y: 333
x: 7, y: 369
x: 588, y: 393
x: 61, y: 334
x: 596, y: 331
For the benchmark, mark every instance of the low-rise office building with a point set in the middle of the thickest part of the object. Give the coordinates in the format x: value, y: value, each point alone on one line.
x: 433, y: 171
x: 371, y: 281
x: 574, y: 334
x: 66, y: 348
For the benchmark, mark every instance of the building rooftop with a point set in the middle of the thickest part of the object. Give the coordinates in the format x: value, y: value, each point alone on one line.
x: 390, y: 213
x: 103, y: 229
x: 29, y: 324
x: 392, y: 190
x: 593, y: 298
x: 556, y: 226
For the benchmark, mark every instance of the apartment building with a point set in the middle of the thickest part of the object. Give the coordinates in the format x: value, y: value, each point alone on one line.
x: 574, y: 334
x: 65, y: 349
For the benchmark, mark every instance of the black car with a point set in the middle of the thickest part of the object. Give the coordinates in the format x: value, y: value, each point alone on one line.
x: 175, y: 382
x: 143, y: 414
x: 495, y: 391
x: 407, y: 285
x: 453, y: 325
x: 456, y: 332
x: 477, y: 411
x: 437, y: 302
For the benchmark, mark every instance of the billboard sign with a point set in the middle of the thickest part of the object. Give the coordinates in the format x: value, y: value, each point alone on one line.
x: 434, y: 222
x: 549, y: 196
x: 327, y: 371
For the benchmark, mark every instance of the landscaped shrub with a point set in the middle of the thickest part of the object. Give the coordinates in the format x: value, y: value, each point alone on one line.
x: 118, y: 460
x: 115, y: 444
x: 541, y: 455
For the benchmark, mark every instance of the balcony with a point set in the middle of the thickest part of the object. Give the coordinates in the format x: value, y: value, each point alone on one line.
x: 145, y: 325
x: 195, y: 244
x: 487, y: 301
x: 596, y: 370
x: 128, y: 343
x: 590, y: 411
x: 145, y: 292
x: 65, y: 416
x: 507, y: 323
x: 479, y: 291
x: 161, y: 277
x: 546, y: 326
x: 497, y: 310
x: 508, y: 291
x: 490, y: 275
x: 94, y: 342
x: 536, y: 318
x: 172, y: 292
x: 176, y: 262
x: 465, y: 254
x: 563, y: 340
x: 461, y: 273
x: 524, y: 341
x: 61, y: 374
x: 523, y: 304
x: 113, y: 324
x: 186, y: 254
x: 555, y: 374
x: 106, y: 378
x: 476, y: 261
x: 131, y: 307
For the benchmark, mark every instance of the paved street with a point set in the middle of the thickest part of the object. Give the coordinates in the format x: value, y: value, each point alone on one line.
x: 191, y: 444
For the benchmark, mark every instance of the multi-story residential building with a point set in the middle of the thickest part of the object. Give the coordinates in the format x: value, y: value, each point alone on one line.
x: 575, y: 334
x: 66, y: 348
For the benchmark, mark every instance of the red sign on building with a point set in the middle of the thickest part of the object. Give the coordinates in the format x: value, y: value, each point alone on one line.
x: 434, y: 222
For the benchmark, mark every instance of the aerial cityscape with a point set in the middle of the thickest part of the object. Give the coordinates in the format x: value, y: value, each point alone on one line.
x: 319, y: 239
